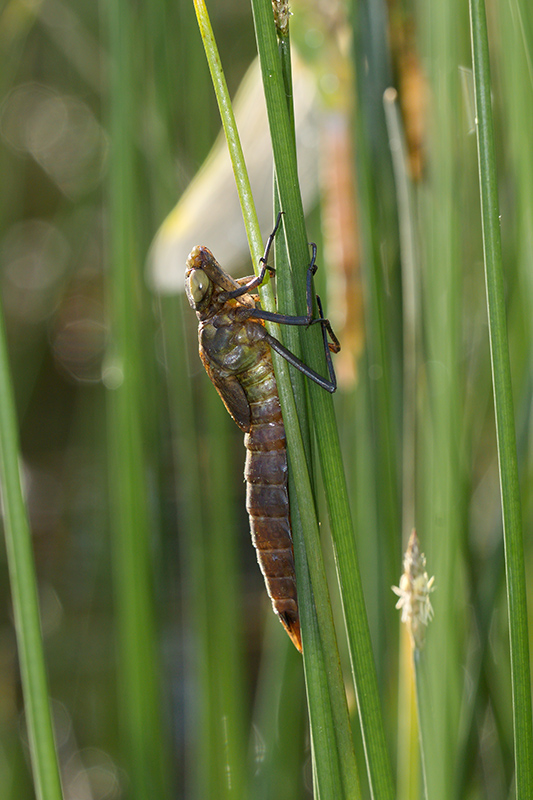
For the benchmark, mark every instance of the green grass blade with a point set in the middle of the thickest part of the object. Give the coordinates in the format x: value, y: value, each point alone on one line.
x: 280, y: 718
x: 234, y: 146
x: 326, y: 766
x: 330, y: 773
x: 24, y: 594
x: 440, y: 507
x: 132, y: 526
x: 323, y: 414
x: 378, y: 225
x: 275, y: 84
x: 503, y: 403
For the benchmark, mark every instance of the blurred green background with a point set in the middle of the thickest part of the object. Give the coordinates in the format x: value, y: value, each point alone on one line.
x: 107, y: 113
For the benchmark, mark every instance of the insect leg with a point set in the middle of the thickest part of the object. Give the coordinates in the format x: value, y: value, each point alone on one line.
x: 311, y: 269
x: 247, y: 288
x: 334, y: 346
x: 330, y: 385
x: 257, y: 280
x: 287, y: 319
x: 270, y: 240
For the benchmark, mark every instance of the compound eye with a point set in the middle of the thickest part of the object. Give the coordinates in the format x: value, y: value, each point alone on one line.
x: 198, y: 285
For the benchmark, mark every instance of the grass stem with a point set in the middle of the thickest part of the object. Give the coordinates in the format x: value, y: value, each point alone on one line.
x: 504, y: 410
x: 24, y: 593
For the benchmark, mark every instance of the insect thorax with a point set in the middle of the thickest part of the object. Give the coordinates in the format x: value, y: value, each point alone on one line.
x: 234, y: 347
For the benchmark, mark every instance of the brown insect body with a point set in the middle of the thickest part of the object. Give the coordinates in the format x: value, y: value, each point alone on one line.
x: 237, y: 358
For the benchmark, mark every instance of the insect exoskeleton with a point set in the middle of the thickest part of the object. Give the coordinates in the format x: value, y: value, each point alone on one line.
x: 235, y: 349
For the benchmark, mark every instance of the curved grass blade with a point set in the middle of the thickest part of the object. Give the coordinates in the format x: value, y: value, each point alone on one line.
x: 25, y: 594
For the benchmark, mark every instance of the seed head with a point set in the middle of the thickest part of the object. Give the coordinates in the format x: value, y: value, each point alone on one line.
x: 413, y: 593
x: 282, y: 13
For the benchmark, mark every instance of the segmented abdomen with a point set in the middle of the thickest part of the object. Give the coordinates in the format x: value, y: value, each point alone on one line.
x: 267, y: 499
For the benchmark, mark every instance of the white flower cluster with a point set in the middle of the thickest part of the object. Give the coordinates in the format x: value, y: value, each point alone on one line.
x: 413, y: 592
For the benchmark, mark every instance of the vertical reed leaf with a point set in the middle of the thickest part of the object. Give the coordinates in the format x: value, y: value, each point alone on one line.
x: 138, y: 679
x: 322, y: 410
x: 504, y: 411
x: 329, y: 782
x: 378, y: 232
x: 440, y: 496
x: 275, y: 68
x: 24, y: 593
